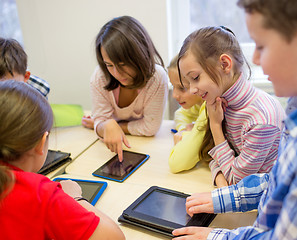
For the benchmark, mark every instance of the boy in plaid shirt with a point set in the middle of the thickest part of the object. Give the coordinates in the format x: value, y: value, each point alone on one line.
x: 13, y: 65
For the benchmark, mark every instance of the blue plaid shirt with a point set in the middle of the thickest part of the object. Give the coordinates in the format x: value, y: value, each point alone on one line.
x: 274, y: 194
x: 41, y: 85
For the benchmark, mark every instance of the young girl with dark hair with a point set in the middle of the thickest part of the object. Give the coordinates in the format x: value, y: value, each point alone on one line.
x: 129, y: 87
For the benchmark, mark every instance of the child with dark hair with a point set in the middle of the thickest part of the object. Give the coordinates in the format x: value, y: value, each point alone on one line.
x: 129, y: 87
x: 13, y: 65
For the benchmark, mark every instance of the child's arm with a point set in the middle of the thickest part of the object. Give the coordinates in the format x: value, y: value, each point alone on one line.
x: 88, y: 122
x: 153, y: 107
x: 241, y: 197
x: 220, y: 180
x: 113, y: 136
x: 104, y: 124
x: 102, y: 101
x: 184, y: 117
x: 184, y: 155
x: 252, y: 157
x: 107, y: 228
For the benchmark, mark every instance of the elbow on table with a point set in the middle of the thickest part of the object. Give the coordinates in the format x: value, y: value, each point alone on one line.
x: 177, y: 165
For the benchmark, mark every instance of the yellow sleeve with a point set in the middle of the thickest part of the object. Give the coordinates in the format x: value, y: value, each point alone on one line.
x: 182, y: 116
x: 184, y: 155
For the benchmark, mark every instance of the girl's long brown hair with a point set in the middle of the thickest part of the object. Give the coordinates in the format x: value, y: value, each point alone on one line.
x: 127, y: 42
x: 25, y: 115
x: 207, y: 45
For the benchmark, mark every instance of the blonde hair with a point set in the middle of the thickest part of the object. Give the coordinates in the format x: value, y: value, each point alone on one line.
x: 173, y: 63
x: 25, y: 115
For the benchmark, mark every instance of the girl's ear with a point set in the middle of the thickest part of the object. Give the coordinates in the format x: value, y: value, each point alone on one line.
x: 39, y: 149
x: 226, y: 63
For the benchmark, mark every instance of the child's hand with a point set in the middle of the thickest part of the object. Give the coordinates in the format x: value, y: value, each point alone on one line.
x: 177, y: 137
x: 191, y: 233
x: 87, y: 122
x: 216, y: 111
x: 189, y: 126
x: 71, y: 188
x: 199, y: 203
x: 113, y: 137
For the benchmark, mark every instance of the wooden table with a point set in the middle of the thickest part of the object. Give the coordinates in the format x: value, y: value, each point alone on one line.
x: 155, y: 171
x: 74, y: 140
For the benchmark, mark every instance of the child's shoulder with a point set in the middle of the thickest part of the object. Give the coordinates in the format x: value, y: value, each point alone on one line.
x: 160, y: 73
x: 35, y: 181
x: 98, y: 77
x: 266, y: 109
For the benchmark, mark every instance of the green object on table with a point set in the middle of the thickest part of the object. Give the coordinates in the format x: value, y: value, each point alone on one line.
x: 66, y: 115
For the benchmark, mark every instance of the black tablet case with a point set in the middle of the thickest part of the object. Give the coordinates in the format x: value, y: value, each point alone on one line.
x: 201, y: 219
x: 54, y: 159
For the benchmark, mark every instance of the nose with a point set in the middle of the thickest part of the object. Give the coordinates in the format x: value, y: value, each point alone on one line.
x: 115, y: 72
x: 193, y: 89
x: 256, y: 57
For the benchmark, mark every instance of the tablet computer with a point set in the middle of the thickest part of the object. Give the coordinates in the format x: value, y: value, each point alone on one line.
x: 119, y: 171
x: 54, y: 159
x: 162, y: 210
x: 91, y: 190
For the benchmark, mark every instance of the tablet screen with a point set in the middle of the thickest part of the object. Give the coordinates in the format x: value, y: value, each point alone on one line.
x: 116, y: 170
x: 168, y: 207
x: 162, y: 210
x: 91, y: 190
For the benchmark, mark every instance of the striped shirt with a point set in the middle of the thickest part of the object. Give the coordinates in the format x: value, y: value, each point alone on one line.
x: 275, y: 195
x: 253, y: 121
x: 144, y: 114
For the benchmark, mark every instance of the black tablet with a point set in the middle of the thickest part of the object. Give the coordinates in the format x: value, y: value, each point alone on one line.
x: 119, y: 171
x: 91, y: 190
x: 54, y: 159
x: 162, y: 210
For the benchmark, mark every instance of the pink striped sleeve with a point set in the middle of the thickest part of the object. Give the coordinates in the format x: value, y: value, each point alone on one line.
x: 259, y: 151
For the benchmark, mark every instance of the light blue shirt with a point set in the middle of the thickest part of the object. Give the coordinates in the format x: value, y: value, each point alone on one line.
x: 275, y: 195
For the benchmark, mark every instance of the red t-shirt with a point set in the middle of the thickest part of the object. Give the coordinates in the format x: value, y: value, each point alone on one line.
x: 38, y: 208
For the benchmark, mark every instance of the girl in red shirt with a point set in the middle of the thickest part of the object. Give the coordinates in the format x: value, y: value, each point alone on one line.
x: 31, y: 205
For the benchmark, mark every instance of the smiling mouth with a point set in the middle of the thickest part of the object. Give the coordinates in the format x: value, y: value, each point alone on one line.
x: 203, y: 95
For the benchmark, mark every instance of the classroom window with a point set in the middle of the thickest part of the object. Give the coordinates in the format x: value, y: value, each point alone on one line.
x: 185, y: 16
x: 9, y: 21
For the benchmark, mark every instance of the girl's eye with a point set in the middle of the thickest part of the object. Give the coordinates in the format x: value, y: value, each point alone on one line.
x: 108, y: 65
x: 196, y: 78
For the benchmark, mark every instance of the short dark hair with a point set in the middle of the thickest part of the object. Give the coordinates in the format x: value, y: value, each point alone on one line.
x: 126, y: 41
x: 13, y: 58
x: 280, y: 15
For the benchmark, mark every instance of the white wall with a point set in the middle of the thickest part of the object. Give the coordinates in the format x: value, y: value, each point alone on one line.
x: 59, y: 39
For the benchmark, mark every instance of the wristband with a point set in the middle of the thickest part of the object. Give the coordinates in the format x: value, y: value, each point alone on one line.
x: 80, y: 199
